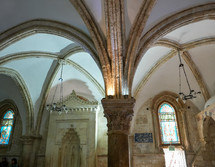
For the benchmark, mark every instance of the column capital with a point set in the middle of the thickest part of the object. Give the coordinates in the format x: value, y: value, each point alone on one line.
x: 119, y: 113
x: 29, y: 139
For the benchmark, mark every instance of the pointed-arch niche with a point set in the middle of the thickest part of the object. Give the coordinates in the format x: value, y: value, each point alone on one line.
x: 170, y: 128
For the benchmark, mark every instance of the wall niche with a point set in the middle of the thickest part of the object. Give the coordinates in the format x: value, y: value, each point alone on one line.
x: 72, y: 135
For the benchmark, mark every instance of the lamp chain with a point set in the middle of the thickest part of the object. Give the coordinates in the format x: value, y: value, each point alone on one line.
x: 181, y: 65
x: 61, y: 85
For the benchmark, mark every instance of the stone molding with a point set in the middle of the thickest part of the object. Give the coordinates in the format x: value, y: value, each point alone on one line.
x: 88, y: 75
x: 169, y: 97
x: 151, y: 71
x: 51, y: 27
x: 184, y: 47
x: 134, y: 39
x: 115, y: 35
x: 119, y: 113
x: 97, y: 37
x: 25, y: 95
x: 29, y: 140
x: 171, y: 23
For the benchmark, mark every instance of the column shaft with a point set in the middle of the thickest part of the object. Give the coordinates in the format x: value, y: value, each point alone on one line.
x: 119, y: 113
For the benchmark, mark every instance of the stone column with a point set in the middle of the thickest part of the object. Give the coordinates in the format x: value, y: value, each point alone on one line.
x: 34, y: 151
x: 119, y: 113
x: 27, y: 150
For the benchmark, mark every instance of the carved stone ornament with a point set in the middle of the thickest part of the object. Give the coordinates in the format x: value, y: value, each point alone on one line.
x: 119, y: 114
x: 29, y: 139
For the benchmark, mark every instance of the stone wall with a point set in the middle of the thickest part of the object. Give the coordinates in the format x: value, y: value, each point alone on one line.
x: 145, y: 154
x: 150, y: 154
x: 90, y: 126
x: 83, y: 124
x: 102, y: 140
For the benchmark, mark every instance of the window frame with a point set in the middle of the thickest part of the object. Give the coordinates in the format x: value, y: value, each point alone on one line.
x: 159, y: 127
x: 6, y: 106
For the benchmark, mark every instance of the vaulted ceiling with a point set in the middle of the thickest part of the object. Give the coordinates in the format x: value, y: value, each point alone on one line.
x: 34, y: 35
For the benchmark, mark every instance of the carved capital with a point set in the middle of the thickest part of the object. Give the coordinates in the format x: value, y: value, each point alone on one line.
x: 28, y: 140
x: 119, y: 113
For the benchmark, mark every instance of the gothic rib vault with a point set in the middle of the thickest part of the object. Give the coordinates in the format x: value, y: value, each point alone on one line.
x: 117, y: 50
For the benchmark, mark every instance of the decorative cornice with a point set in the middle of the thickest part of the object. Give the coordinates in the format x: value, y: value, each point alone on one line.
x: 28, y: 140
x: 80, y: 100
x: 119, y: 113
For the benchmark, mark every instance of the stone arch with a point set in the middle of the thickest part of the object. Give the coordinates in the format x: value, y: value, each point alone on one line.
x: 191, y: 15
x: 25, y: 95
x: 70, y: 150
x: 179, y: 106
x: 8, y: 104
x: 50, y: 27
x: 173, y: 22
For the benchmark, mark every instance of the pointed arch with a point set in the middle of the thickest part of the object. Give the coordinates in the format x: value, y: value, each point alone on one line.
x: 134, y: 39
x: 25, y: 95
x: 98, y: 39
x: 50, y: 27
x: 198, y: 13
x: 185, y: 17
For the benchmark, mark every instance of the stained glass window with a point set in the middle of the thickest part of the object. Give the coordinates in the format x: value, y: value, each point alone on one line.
x: 6, y: 127
x: 168, y: 124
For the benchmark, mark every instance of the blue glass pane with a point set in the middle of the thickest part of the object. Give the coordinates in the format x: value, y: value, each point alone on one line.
x: 5, y: 134
x: 9, y: 115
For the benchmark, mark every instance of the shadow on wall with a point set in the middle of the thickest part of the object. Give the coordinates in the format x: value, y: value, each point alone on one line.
x: 79, y: 86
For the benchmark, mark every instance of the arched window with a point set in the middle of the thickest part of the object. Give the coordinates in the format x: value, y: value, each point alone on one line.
x: 168, y: 124
x: 7, y: 122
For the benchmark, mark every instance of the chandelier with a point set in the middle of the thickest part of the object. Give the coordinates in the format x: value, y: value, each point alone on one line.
x: 58, y: 107
x: 192, y: 94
